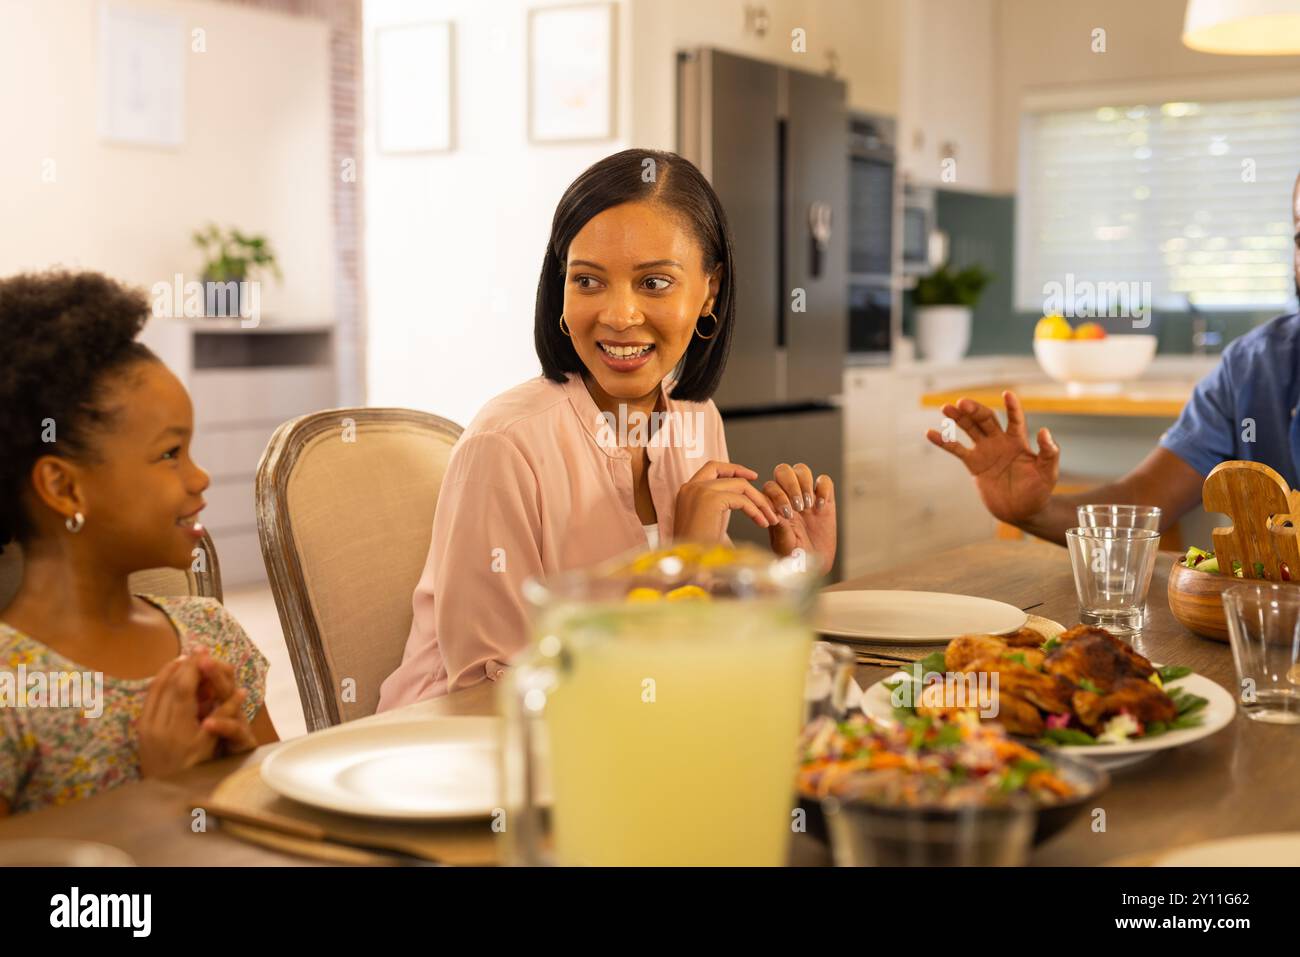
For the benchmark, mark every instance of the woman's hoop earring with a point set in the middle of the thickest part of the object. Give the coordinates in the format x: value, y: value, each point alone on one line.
x: 563, y: 328
x: 716, y: 323
x: 74, y: 523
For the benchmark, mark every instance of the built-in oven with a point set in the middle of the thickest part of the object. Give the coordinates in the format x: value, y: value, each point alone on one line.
x: 871, y: 320
x: 872, y: 192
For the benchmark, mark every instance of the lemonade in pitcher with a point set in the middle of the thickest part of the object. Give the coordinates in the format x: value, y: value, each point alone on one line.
x: 669, y: 691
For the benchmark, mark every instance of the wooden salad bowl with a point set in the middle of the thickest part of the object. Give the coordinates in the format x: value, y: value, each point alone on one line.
x: 1196, y: 600
x: 1265, y: 530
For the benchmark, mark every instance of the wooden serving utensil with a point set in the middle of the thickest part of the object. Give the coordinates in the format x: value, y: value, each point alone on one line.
x: 1285, y: 533
x: 1259, y: 503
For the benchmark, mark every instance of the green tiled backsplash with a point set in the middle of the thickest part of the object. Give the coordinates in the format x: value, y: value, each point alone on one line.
x: 981, y: 229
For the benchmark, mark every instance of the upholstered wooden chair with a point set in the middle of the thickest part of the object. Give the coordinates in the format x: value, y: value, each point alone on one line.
x: 345, y: 502
x: 155, y: 581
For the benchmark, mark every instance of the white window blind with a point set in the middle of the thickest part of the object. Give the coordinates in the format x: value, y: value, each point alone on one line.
x: 1192, y: 197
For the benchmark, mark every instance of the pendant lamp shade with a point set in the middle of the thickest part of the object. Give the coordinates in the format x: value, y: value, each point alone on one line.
x: 1244, y: 27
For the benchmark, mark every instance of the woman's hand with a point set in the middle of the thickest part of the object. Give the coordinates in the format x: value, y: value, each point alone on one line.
x: 170, y: 736
x: 1014, y: 481
x: 809, y: 511
x: 704, y: 502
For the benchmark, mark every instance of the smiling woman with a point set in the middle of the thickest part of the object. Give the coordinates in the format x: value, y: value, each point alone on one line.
x: 634, y: 318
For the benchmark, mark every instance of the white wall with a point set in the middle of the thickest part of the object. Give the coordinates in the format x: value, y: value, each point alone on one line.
x: 255, y: 156
x: 455, y: 241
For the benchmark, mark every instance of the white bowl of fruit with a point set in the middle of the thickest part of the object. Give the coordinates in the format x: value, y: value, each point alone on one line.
x: 1088, y: 360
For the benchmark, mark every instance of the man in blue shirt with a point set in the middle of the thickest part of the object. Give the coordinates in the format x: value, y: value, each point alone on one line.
x: 1244, y: 409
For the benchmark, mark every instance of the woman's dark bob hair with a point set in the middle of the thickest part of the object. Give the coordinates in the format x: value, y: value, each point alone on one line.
x: 664, y: 179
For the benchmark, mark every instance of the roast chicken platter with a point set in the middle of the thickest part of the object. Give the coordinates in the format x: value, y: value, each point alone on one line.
x: 1077, y: 682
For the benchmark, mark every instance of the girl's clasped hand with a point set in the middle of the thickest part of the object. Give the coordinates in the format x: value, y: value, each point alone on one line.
x: 194, y: 711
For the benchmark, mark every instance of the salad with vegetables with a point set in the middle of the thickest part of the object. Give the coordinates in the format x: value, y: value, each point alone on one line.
x: 1203, y: 561
x: 923, y: 762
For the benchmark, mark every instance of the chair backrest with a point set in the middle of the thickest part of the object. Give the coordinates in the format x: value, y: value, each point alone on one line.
x: 345, y: 502
x: 205, y: 581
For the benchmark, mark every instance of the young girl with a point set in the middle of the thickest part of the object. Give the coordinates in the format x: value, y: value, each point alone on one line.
x: 636, y: 308
x: 96, y: 482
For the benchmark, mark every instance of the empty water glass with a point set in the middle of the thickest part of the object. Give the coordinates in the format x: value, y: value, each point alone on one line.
x: 1119, y: 516
x: 1112, y: 575
x: 1264, y: 631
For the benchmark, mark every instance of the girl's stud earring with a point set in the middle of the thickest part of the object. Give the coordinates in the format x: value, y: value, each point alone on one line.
x: 74, y: 523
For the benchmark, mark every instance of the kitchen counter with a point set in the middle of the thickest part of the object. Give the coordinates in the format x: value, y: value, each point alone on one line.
x: 1160, y: 393
x: 1145, y: 398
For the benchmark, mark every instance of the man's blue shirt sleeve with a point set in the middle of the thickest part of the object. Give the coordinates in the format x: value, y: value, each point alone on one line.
x: 1206, y: 431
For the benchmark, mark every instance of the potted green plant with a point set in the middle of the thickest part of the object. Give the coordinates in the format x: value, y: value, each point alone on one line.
x: 231, y: 258
x: 944, y: 302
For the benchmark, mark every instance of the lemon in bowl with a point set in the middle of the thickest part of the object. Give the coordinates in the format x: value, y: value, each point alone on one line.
x: 1053, y: 327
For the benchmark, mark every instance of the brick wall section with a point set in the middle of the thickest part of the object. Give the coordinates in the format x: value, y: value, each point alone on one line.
x: 346, y: 130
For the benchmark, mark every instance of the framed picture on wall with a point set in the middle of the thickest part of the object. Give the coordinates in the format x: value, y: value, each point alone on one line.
x: 415, y: 105
x: 141, y: 68
x: 572, y: 65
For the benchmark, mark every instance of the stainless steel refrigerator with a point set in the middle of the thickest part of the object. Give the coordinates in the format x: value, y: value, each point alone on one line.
x: 773, y: 142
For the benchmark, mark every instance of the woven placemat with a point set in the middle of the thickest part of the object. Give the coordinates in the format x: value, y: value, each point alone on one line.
x: 451, y: 842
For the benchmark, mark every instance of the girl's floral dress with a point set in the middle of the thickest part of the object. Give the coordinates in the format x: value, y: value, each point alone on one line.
x: 53, y: 755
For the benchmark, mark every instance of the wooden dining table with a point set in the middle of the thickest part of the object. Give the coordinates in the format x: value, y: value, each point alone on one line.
x: 1242, y: 780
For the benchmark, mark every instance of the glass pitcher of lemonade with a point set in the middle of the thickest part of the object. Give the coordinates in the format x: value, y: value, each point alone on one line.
x: 654, y: 719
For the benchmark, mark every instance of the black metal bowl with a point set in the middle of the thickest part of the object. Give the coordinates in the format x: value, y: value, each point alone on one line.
x: 1086, y: 778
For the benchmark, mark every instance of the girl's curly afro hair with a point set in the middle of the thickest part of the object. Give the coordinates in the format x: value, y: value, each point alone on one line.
x: 63, y: 335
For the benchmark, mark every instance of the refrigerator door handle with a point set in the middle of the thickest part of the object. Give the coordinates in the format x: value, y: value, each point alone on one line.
x: 783, y: 291
x: 819, y: 227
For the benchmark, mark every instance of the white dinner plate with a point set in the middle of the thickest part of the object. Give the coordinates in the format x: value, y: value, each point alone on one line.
x: 1254, y: 850
x: 434, y: 768
x: 1215, y: 716
x: 912, y: 617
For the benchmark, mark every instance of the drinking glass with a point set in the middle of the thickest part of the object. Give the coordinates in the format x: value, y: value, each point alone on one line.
x: 660, y: 705
x: 1264, y: 631
x: 1112, y: 575
x: 1119, y: 516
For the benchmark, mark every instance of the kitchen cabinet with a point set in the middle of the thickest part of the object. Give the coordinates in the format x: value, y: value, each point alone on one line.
x: 947, y: 93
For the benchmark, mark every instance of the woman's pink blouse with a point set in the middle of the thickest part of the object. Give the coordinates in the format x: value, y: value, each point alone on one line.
x: 537, y: 484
